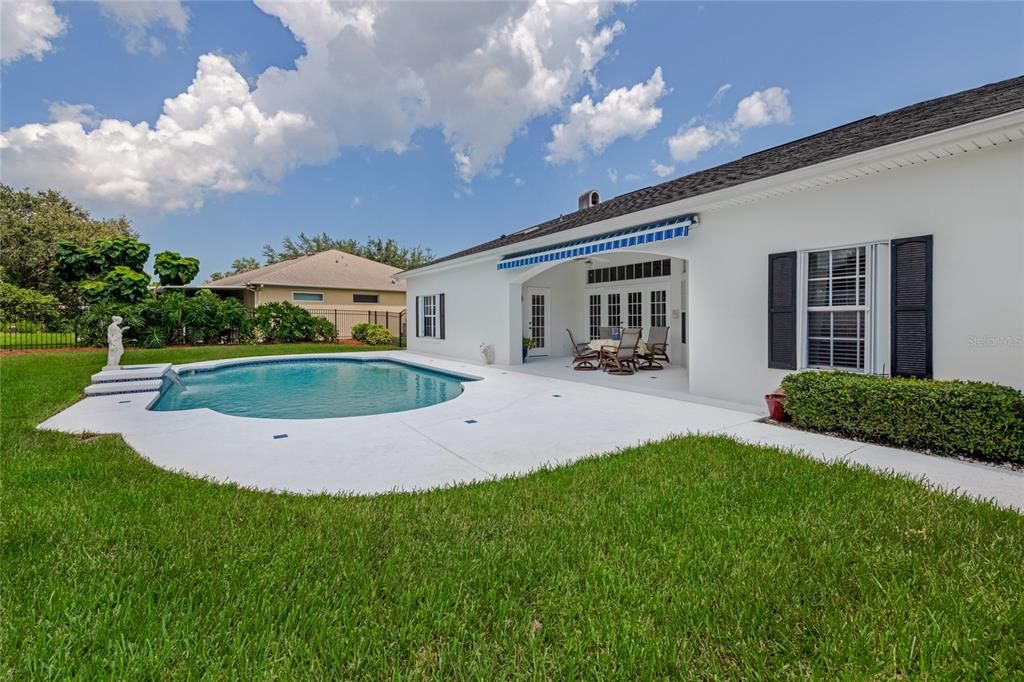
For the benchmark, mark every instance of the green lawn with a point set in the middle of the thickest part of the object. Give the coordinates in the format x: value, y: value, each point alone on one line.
x: 696, y: 557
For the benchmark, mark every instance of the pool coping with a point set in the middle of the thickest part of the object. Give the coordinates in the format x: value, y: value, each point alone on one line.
x: 505, y: 423
x: 204, y: 366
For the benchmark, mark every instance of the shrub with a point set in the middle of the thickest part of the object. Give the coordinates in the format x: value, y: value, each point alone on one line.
x: 322, y: 329
x: 170, y: 318
x: 971, y: 418
x: 21, y: 305
x: 372, y: 334
x: 92, y: 327
x: 286, y: 323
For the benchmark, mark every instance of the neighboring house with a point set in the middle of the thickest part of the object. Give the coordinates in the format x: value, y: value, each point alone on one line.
x: 340, y: 286
x: 326, y: 279
x: 890, y: 245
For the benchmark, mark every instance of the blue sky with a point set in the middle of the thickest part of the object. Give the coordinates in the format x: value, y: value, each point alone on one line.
x: 327, y: 162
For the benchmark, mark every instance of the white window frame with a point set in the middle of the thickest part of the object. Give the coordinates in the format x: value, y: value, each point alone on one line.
x: 594, y: 321
x: 658, y: 308
x: 308, y: 293
x: 433, y: 316
x: 635, y: 309
x: 876, y: 321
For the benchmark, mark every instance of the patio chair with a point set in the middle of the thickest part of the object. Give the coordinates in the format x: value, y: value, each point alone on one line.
x: 656, y: 351
x: 621, y: 359
x: 583, y: 356
x: 604, y: 332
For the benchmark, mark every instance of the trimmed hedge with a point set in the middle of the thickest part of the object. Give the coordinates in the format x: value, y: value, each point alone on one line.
x: 372, y: 334
x: 972, y: 418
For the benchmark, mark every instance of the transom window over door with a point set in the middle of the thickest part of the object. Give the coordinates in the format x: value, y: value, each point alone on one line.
x: 635, y: 309
x: 837, y: 308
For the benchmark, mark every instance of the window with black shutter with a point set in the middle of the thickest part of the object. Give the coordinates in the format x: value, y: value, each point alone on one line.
x: 440, y: 316
x: 417, y: 316
x: 430, y: 316
x: 782, y: 310
x: 911, y: 307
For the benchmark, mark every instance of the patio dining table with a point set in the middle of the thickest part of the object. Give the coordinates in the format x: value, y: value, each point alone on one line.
x: 596, y: 344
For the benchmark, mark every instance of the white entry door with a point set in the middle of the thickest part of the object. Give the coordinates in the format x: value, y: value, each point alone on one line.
x: 537, y: 320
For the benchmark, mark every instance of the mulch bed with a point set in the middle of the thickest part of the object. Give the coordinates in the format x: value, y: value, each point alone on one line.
x: 1012, y: 466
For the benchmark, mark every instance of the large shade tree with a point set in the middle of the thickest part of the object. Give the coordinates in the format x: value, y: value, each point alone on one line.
x: 111, y: 270
x: 386, y: 251
x: 33, y: 225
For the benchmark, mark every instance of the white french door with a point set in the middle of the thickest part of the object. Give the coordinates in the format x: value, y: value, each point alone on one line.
x: 643, y: 306
x: 537, y: 320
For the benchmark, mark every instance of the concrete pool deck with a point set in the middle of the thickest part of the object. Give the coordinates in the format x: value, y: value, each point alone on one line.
x: 510, y: 423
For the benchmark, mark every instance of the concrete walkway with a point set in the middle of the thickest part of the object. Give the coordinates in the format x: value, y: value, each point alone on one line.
x: 509, y: 423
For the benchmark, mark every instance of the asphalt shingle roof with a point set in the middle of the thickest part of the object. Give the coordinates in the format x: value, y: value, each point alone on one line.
x: 330, y: 269
x: 859, y: 136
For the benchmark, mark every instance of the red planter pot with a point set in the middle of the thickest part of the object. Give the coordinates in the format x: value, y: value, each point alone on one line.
x: 776, y: 406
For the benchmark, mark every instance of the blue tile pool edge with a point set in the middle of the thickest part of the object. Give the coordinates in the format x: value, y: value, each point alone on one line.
x: 186, y: 370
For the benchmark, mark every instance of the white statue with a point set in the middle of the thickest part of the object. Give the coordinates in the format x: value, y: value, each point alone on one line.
x: 115, y: 348
x: 487, y: 353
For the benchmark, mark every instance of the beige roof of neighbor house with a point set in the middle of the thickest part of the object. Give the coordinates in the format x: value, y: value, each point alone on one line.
x: 327, y: 270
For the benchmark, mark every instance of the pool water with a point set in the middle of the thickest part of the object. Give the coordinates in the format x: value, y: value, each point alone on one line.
x: 310, y: 389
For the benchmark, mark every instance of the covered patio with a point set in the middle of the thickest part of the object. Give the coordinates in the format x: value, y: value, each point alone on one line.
x: 671, y: 382
x: 579, y: 292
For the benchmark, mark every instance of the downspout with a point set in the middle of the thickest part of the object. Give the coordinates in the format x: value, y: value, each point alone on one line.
x: 255, y: 289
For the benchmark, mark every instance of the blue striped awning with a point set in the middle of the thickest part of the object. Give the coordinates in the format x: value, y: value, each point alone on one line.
x: 673, y: 228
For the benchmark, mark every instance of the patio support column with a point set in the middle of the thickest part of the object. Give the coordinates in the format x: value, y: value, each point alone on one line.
x: 515, y: 325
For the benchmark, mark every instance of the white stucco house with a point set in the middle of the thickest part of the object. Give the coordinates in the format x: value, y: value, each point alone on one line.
x: 890, y: 245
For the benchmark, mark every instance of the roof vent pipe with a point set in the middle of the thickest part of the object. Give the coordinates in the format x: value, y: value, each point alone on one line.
x: 589, y: 198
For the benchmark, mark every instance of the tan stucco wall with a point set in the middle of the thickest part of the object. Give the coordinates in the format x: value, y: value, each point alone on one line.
x: 332, y: 297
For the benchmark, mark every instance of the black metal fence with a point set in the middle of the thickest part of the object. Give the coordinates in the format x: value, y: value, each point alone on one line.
x: 31, y: 335
x: 344, y: 320
x: 27, y: 335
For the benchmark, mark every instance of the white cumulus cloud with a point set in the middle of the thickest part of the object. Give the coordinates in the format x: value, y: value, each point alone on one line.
x: 137, y: 20
x: 372, y: 75
x: 662, y: 170
x: 85, y: 114
x: 764, y: 107
x: 210, y: 138
x: 760, y: 108
x: 623, y: 112
x: 28, y: 29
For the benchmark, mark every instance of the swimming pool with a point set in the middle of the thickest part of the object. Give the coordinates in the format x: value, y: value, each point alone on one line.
x: 309, y: 388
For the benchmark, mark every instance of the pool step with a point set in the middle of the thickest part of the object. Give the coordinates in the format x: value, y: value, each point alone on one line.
x: 118, y: 387
x: 128, y: 379
x: 132, y: 373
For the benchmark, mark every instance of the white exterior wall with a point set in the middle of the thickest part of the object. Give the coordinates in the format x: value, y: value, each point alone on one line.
x: 972, y: 203
x: 477, y: 310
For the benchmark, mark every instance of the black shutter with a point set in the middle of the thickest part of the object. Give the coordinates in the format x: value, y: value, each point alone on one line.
x: 440, y: 315
x: 417, y: 313
x: 911, y: 324
x: 782, y: 310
